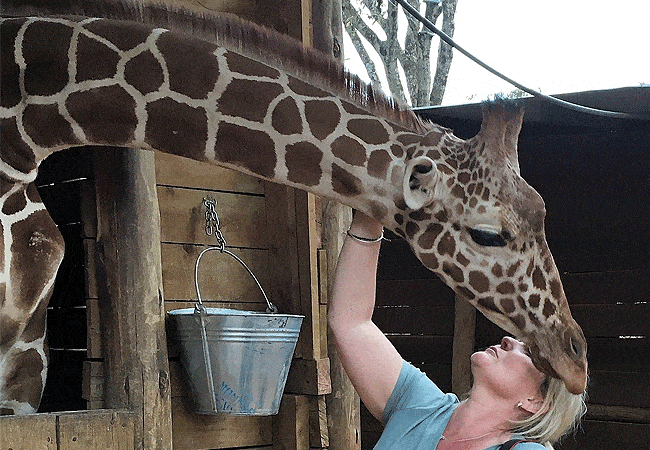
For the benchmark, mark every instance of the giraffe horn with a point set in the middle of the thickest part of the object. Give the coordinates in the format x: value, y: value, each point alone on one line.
x: 502, y: 121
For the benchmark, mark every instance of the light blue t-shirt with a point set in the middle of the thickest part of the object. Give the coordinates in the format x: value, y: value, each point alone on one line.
x: 417, y: 413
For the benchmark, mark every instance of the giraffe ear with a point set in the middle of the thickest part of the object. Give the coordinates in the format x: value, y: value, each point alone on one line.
x: 420, y: 180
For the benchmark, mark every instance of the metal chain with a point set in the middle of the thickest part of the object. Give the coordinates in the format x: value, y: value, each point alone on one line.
x: 212, y: 224
x: 212, y: 227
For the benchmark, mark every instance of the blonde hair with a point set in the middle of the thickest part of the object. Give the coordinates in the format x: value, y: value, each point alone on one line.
x: 559, y: 415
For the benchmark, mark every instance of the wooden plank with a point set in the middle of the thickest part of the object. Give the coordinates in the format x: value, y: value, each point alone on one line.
x: 323, y: 272
x: 601, y: 435
x: 324, y: 330
x: 439, y: 373
x: 173, y: 170
x: 318, y: 432
x: 128, y: 251
x: 618, y: 413
x: 29, y: 432
x: 343, y: 405
x: 624, y: 286
x: 221, y: 277
x: 178, y: 263
x: 423, y: 349
x: 424, y: 320
x: 619, y: 389
x: 421, y: 292
x: 93, y: 386
x: 93, y: 381
x: 283, y: 251
x: 291, y: 424
x: 622, y: 319
x: 308, y: 235
x: 194, y: 431
x: 88, y: 208
x: 182, y: 217
x: 604, y: 354
x: 94, y: 329
x: 112, y: 430
x: 463, y: 346
x: 311, y: 377
x: 90, y: 269
x: 615, y: 354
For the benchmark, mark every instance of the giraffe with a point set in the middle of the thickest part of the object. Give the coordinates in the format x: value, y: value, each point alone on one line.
x: 221, y: 90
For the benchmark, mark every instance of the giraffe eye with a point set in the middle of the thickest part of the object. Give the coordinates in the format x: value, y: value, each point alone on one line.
x: 486, y: 238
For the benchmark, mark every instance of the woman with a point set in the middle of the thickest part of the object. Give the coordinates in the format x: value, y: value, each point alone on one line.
x: 509, y: 399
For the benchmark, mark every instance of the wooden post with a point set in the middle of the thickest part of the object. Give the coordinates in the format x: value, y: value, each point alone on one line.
x: 130, y: 293
x: 291, y: 424
x: 343, y: 405
x: 463, y: 346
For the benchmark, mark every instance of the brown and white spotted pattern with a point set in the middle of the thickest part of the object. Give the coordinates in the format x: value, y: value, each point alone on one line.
x: 89, y: 81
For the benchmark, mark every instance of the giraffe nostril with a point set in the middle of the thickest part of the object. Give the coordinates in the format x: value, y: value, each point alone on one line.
x: 575, y: 348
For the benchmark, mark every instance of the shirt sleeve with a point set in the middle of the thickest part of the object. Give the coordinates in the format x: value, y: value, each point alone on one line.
x: 414, y: 390
x: 529, y: 446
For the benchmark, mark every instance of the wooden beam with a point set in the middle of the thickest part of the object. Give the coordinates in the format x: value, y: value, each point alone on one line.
x: 311, y: 377
x: 199, y: 431
x: 136, y: 369
x: 28, y: 432
x: 291, y: 424
x: 78, y: 430
x: 95, y: 429
x: 318, y: 432
x: 463, y: 346
x: 618, y: 413
x: 343, y: 405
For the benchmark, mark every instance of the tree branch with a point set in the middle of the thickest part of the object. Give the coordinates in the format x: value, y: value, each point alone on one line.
x: 352, y: 19
x: 445, y: 53
x: 367, y: 61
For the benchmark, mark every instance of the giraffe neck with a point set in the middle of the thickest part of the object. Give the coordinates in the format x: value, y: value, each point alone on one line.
x: 119, y: 84
x: 461, y: 205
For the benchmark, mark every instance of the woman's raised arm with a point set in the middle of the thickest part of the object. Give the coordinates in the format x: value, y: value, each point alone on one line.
x: 369, y: 358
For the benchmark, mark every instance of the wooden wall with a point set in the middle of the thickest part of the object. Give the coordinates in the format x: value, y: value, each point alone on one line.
x: 271, y: 227
x: 596, y: 184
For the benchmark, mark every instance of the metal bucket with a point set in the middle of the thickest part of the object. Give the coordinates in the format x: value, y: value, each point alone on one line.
x: 237, y: 362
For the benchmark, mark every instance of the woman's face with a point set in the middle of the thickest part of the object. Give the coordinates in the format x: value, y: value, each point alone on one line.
x: 507, y: 370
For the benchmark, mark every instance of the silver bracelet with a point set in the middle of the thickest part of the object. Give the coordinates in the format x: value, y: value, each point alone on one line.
x: 365, y: 240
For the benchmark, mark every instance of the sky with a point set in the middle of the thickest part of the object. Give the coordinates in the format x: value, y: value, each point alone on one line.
x: 554, y: 46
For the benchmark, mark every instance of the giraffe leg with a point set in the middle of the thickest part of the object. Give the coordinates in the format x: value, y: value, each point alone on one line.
x: 33, y: 250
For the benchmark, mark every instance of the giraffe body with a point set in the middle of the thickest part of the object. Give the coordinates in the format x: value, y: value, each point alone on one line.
x: 206, y: 89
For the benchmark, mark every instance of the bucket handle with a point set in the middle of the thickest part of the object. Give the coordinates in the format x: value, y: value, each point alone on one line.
x: 199, y: 307
x: 201, y: 312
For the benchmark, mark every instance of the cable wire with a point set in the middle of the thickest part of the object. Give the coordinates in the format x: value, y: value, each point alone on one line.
x: 575, y: 107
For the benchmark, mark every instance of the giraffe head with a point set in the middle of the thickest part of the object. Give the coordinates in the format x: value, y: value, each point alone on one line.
x: 471, y: 218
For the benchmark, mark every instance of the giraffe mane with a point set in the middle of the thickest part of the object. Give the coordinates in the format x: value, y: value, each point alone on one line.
x: 227, y: 30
